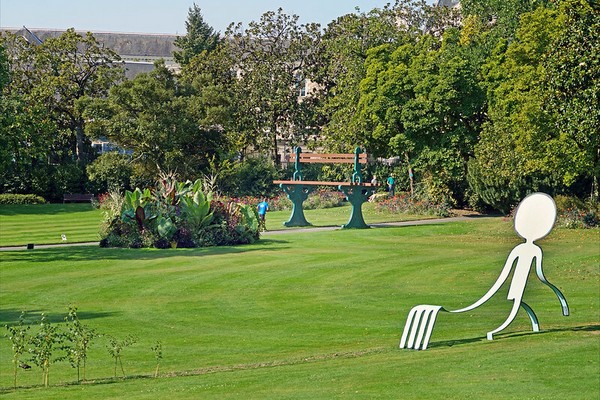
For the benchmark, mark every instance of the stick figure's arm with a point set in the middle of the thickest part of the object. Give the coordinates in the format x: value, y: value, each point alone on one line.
x: 540, y: 274
x: 496, y: 286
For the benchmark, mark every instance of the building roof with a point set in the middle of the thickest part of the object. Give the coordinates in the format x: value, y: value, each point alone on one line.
x: 447, y: 3
x: 139, y: 51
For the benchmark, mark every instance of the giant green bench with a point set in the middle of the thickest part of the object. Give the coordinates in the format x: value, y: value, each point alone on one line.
x: 356, y: 191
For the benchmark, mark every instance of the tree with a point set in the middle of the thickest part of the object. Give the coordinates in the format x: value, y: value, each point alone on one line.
x: 210, y: 81
x: 345, y: 49
x: 26, y: 132
x: 4, y: 68
x: 155, y: 118
x: 44, y: 342
x: 515, y: 153
x: 80, y: 337
x: 199, y: 37
x: 340, y: 69
x: 422, y: 100
x: 571, y: 94
x: 500, y: 17
x: 61, y: 71
x: 111, y: 171
x: 272, y: 58
x: 43, y: 115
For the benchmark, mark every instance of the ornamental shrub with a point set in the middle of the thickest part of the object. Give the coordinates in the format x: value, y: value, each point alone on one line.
x: 575, y: 213
x: 321, y: 198
x: 21, y: 199
x: 175, y: 214
x: 403, y: 203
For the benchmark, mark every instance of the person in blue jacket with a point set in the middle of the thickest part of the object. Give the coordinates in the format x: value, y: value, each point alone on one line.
x: 391, y: 185
x: 263, y: 207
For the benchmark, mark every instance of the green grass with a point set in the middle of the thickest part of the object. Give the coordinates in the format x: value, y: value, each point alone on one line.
x: 315, y: 315
x: 46, y: 223
x: 338, y: 216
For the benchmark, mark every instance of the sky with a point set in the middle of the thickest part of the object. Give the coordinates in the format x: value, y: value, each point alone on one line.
x: 165, y: 16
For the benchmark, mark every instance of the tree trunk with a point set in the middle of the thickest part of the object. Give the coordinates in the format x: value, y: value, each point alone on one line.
x: 80, y: 145
x: 410, y: 175
x: 276, y: 159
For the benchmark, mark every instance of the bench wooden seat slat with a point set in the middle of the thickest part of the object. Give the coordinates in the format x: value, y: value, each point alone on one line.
x: 322, y: 183
x: 329, y: 158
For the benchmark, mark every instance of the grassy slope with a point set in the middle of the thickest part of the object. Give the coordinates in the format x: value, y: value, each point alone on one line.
x: 317, y: 315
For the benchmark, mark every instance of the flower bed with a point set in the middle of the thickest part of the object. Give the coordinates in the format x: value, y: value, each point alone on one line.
x: 175, y: 214
x: 403, y: 203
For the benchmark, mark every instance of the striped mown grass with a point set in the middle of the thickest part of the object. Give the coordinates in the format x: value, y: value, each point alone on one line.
x: 46, y: 223
x: 315, y: 315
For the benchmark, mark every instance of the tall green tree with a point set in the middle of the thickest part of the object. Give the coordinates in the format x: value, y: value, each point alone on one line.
x: 345, y: 49
x: 199, y: 37
x: 272, y: 57
x: 58, y: 73
x: 340, y: 69
x: 515, y: 153
x: 26, y: 132
x: 4, y: 68
x: 44, y: 122
x: 210, y: 81
x: 499, y: 17
x: 422, y: 101
x: 155, y: 118
x: 572, y: 94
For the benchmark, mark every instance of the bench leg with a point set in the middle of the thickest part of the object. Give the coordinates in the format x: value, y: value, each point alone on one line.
x: 297, y: 194
x: 356, y: 196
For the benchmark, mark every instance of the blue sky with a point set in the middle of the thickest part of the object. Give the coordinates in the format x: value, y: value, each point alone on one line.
x: 164, y: 16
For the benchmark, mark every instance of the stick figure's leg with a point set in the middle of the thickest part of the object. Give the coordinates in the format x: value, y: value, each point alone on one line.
x: 561, y: 297
x: 511, y: 317
x: 534, y: 321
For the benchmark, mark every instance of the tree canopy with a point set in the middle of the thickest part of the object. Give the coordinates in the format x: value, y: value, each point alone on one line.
x: 48, y: 83
x: 199, y: 37
x: 477, y: 106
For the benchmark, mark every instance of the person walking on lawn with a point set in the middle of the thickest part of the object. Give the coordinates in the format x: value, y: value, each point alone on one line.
x: 263, y: 207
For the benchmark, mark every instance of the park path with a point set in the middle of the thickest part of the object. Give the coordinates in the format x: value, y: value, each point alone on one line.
x: 282, y: 231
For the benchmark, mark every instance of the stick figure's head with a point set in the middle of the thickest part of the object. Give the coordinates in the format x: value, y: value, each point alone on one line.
x: 535, y: 216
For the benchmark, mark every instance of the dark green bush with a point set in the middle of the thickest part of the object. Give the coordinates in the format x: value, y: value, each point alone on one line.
x: 251, y: 177
x: 321, y: 198
x: 404, y: 203
x: 110, y: 171
x: 21, y: 199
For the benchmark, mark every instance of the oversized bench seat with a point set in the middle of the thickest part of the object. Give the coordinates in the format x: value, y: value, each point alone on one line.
x: 355, y: 190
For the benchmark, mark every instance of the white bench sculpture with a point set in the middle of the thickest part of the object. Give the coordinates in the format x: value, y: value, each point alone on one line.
x: 534, y: 219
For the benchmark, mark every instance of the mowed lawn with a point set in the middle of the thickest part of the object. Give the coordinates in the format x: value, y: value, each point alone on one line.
x: 315, y: 315
x: 46, y: 223
x: 80, y: 222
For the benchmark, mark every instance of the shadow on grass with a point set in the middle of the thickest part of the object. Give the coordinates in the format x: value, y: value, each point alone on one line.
x: 11, y: 316
x: 89, y: 253
x: 450, y: 343
x: 44, y: 209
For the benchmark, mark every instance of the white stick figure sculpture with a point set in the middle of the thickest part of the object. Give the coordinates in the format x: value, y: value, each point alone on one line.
x: 534, y: 219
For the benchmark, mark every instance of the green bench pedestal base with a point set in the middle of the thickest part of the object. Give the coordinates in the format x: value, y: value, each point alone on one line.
x: 356, y: 195
x: 297, y: 194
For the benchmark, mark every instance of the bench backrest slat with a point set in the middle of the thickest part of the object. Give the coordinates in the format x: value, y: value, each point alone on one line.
x: 357, y: 158
x: 77, y: 197
x: 330, y: 158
